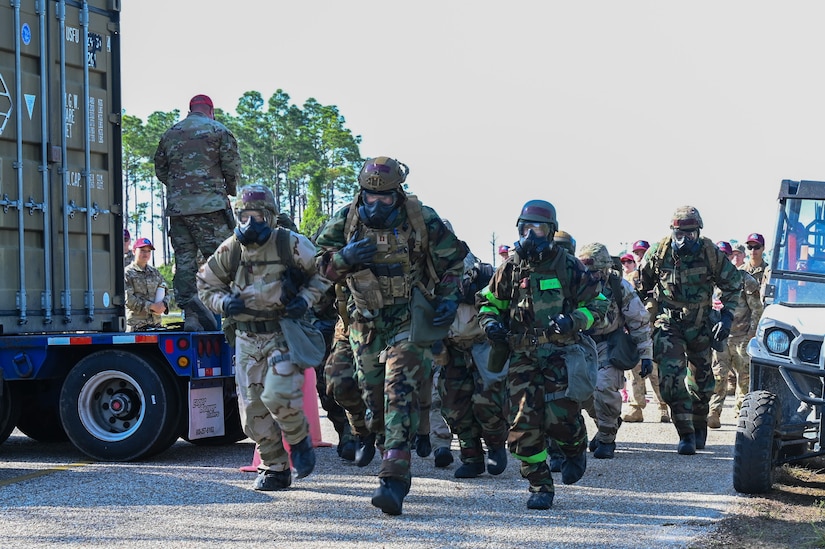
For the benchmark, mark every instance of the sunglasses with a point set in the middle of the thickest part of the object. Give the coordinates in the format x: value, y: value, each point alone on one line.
x: 757, y: 247
x: 628, y: 261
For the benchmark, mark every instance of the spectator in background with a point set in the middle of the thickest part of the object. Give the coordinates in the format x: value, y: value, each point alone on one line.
x: 755, y: 265
x: 128, y: 254
x: 737, y: 257
x: 146, y: 298
x: 639, y: 248
x: 504, y: 252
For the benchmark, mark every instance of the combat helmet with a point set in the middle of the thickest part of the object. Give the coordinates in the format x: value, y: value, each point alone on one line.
x: 566, y: 241
x: 538, y: 211
x: 686, y: 218
x: 596, y: 256
x: 257, y: 197
x: 382, y: 173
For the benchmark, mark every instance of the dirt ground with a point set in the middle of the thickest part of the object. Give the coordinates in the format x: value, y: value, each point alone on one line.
x: 792, y: 515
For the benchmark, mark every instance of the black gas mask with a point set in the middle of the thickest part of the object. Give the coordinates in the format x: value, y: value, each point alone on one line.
x: 252, y: 228
x: 685, y: 242
x: 378, y: 209
x: 535, y: 241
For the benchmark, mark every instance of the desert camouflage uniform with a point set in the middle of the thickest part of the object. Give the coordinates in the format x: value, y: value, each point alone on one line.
x: 735, y: 357
x: 141, y: 288
x: 606, y: 405
x: 681, y: 291
x: 389, y: 368
x: 198, y: 161
x: 537, y: 378
x: 270, y: 395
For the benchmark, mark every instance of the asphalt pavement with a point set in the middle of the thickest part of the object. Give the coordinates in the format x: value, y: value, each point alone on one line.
x: 191, y: 496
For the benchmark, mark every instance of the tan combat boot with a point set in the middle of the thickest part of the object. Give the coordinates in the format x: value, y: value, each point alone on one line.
x: 713, y: 420
x: 665, y: 418
x: 635, y: 416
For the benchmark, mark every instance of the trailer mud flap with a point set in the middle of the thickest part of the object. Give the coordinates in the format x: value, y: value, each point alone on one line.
x: 206, y: 409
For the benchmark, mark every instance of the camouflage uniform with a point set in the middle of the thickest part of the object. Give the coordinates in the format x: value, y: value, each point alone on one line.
x: 390, y: 369
x: 607, y: 402
x: 528, y: 295
x: 270, y: 395
x: 735, y: 357
x: 680, y: 289
x: 141, y: 289
x: 198, y: 161
x: 128, y: 257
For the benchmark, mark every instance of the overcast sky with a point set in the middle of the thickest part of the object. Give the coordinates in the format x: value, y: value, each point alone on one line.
x: 615, y: 112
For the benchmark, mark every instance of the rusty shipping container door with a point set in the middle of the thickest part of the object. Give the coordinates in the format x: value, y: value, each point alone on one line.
x: 61, y: 246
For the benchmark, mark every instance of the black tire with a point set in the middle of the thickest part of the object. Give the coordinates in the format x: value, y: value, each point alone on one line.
x: 756, y: 448
x: 9, y: 411
x: 117, y: 406
x: 40, y: 413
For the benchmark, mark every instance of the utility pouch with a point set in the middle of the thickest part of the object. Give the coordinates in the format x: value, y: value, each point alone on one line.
x: 621, y: 350
x: 306, y: 343
x: 365, y: 290
x: 492, y: 364
x: 582, y: 367
x: 422, y: 311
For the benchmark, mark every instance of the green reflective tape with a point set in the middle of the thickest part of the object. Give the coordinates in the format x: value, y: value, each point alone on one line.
x: 538, y: 458
x: 549, y: 284
x: 501, y: 304
x: 586, y: 312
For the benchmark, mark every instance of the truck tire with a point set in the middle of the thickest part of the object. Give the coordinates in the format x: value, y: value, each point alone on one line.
x: 756, y: 447
x: 40, y: 412
x: 117, y: 406
x: 9, y: 411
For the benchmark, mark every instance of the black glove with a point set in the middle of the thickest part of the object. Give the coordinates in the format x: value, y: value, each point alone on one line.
x: 495, y: 331
x: 438, y: 347
x: 647, y: 367
x: 296, y: 308
x: 291, y: 282
x: 562, y: 324
x: 232, y: 305
x: 721, y: 330
x: 360, y: 251
x: 326, y: 327
x: 445, y: 313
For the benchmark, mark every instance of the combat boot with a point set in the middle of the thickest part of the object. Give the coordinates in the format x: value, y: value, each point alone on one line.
x: 635, y: 416
x: 604, y: 450
x: 540, y: 500
x: 556, y: 456
x: 442, y: 457
x: 469, y: 470
x: 714, y: 421
x: 687, y: 444
x: 423, y: 446
x: 269, y: 481
x: 365, y: 451
x: 303, y: 457
x: 572, y: 468
x: 665, y: 416
x: 390, y: 494
x: 701, y: 437
x: 496, y: 460
x: 191, y: 322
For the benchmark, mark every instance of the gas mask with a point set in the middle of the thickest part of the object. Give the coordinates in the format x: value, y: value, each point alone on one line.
x: 532, y: 247
x: 250, y: 230
x: 378, y: 210
x: 685, y: 242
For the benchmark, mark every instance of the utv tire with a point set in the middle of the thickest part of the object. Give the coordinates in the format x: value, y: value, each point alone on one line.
x: 756, y: 448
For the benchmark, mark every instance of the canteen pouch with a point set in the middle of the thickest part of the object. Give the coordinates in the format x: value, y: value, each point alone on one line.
x: 306, y: 343
x: 492, y: 364
x: 582, y: 367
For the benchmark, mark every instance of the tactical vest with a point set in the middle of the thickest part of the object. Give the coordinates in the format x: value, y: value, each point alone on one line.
x: 543, y: 289
x: 672, y: 282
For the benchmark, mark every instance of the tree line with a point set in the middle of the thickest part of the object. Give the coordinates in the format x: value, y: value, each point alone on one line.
x: 306, y: 155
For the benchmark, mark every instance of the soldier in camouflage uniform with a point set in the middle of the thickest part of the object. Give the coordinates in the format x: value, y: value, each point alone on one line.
x: 143, y: 308
x: 387, y: 247
x: 198, y: 161
x: 537, y: 303
x: 128, y: 254
x: 606, y: 405
x: 734, y: 359
x: 678, y: 276
x: 246, y: 279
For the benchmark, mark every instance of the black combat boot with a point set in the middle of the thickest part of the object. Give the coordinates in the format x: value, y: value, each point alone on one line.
x: 442, y: 457
x: 540, y: 500
x: 365, y: 451
x: 496, y: 460
x: 604, y: 450
x: 423, y: 446
x: 555, y: 454
x: 390, y: 494
x: 303, y: 457
x: 687, y: 444
x: 572, y: 468
x: 269, y: 481
x: 469, y: 470
x: 701, y: 435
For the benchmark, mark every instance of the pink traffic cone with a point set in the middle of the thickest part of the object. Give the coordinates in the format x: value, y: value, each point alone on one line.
x: 313, y: 418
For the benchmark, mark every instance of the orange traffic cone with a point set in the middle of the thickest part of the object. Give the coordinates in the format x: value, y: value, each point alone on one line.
x: 313, y: 418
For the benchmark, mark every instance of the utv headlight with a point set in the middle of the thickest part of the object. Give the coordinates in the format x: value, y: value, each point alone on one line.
x: 778, y: 342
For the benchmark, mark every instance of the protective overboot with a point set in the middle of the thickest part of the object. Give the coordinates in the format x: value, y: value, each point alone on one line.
x: 365, y: 451
x: 714, y: 421
x: 442, y: 457
x: 701, y: 436
x: 555, y: 454
x: 665, y: 416
x: 196, y: 309
x: 469, y: 470
x: 634, y: 416
x: 390, y: 494
x: 540, y: 500
x: 346, y: 450
x: 303, y: 457
x: 604, y: 450
x: 423, y: 446
x: 687, y: 444
x: 572, y: 468
x: 593, y: 444
x: 191, y: 322
x: 269, y: 481
x: 496, y: 460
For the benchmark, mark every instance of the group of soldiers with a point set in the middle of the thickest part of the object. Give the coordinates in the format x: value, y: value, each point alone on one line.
x: 398, y: 300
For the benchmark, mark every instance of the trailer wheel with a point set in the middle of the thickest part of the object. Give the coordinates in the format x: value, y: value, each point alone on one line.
x: 40, y: 413
x: 117, y: 406
x: 9, y: 411
x: 756, y: 448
